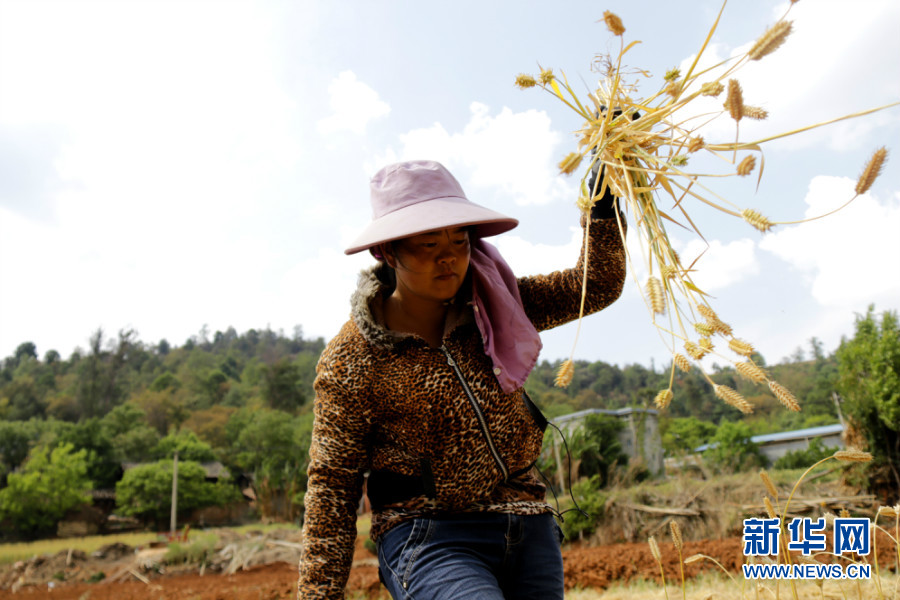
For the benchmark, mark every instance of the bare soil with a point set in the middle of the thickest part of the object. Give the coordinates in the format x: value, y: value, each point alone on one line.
x: 585, y: 567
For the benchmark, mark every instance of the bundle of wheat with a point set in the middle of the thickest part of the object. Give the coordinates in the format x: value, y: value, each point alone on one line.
x: 644, y: 147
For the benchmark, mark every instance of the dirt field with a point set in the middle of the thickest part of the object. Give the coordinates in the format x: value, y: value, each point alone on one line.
x: 588, y: 567
x: 585, y: 567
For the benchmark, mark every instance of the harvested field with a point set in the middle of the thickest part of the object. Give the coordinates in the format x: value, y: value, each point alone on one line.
x: 227, y: 564
x: 586, y: 567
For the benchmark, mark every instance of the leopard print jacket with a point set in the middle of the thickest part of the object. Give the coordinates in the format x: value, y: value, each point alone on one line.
x: 391, y: 405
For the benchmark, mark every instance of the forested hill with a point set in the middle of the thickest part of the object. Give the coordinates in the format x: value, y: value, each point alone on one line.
x: 245, y: 400
x: 201, y: 384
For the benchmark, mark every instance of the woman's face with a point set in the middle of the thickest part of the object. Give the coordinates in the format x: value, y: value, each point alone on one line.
x: 433, y: 265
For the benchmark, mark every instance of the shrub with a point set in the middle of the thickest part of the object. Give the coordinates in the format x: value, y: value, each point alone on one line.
x: 731, y: 450
x: 801, y: 459
x: 199, y: 550
x: 578, y: 524
x: 145, y: 491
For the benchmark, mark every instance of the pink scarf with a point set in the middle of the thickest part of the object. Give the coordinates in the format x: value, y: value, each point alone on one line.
x: 510, y: 338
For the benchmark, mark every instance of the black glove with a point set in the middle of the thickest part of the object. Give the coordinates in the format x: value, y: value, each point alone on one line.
x: 605, y: 206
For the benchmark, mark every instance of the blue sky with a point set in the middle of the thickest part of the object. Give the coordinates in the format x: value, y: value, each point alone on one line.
x: 168, y: 165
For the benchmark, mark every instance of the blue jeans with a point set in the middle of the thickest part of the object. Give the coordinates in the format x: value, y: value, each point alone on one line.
x: 475, y: 556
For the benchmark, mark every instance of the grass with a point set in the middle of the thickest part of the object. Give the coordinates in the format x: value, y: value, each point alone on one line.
x: 10, y: 553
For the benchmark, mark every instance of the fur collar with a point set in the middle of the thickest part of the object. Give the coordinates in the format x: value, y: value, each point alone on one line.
x: 366, y: 303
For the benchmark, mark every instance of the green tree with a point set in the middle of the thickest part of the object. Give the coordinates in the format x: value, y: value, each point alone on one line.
x: 282, y: 386
x: 731, y: 450
x: 132, y: 439
x: 89, y: 435
x: 166, y: 381
x: 682, y: 435
x: 602, y: 449
x: 26, y: 350
x: 22, y: 399
x: 869, y: 381
x: 273, y: 447
x: 188, y: 446
x: 15, y: 442
x: 215, y: 385
x: 163, y: 408
x: 50, y: 484
x: 145, y: 491
x: 103, y: 373
x: 51, y: 357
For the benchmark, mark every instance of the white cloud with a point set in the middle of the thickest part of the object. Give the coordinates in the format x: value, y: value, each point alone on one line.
x: 353, y: 104
x: 169, y: 149
x: 719, y: 265
x: 850, y: 257
x: 303, y: 301
x: 527, y: 258
x: 512, y: 152
x: 818, y: 74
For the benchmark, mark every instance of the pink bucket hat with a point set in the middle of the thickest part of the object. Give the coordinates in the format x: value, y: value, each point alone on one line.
x: 417, y: 196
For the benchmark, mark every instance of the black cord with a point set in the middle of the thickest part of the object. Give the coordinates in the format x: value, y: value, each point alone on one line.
x: 556, y: 512
x: 571, y: 495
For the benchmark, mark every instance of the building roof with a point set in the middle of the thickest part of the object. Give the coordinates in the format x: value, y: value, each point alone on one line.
x: 602, y: 411
x: 787, y: 436
x: 214, y: 470
x: 798, y: 434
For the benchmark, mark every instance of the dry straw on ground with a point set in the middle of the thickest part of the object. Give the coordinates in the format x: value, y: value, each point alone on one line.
x: 645, y: 147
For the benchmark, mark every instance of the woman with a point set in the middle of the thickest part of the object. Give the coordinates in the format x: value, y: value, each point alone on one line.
x: 422, y: 390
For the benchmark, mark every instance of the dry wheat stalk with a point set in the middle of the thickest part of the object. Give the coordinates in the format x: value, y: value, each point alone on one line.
x: 693, y: 558
x: 784, y: 396
x: 676, y: 535
x: 750, y: 371
x: 852, y: 455
x: 733, y: 397
x: 723, y: 328
x: 712, y: 88
x: 613, y: 23
x: 770, y: 485
x: 546, y: 76
x: 746, y: 166
x: 525, y: 81
x: 770, y: 510
x: 891, y: 512
x: 756, y: 219
x: 871, y: 171
x: 694, y: 351
x: 740, y: 347
x: 695, y: 144
x: 734, y: 100
x: 704, y: 329
x: 770, y: 41
x: 654, y: 549
x: 663, y: 398
x: 644, y: 147
x: 756, y: 113
x: 570, y: 163
x: 656, y: 295
x: 565, y: 374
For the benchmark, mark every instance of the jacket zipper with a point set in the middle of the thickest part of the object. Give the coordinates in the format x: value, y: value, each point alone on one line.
x: 480, y: 415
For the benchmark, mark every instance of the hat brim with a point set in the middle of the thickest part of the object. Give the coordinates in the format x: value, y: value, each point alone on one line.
x: 436, y: 213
